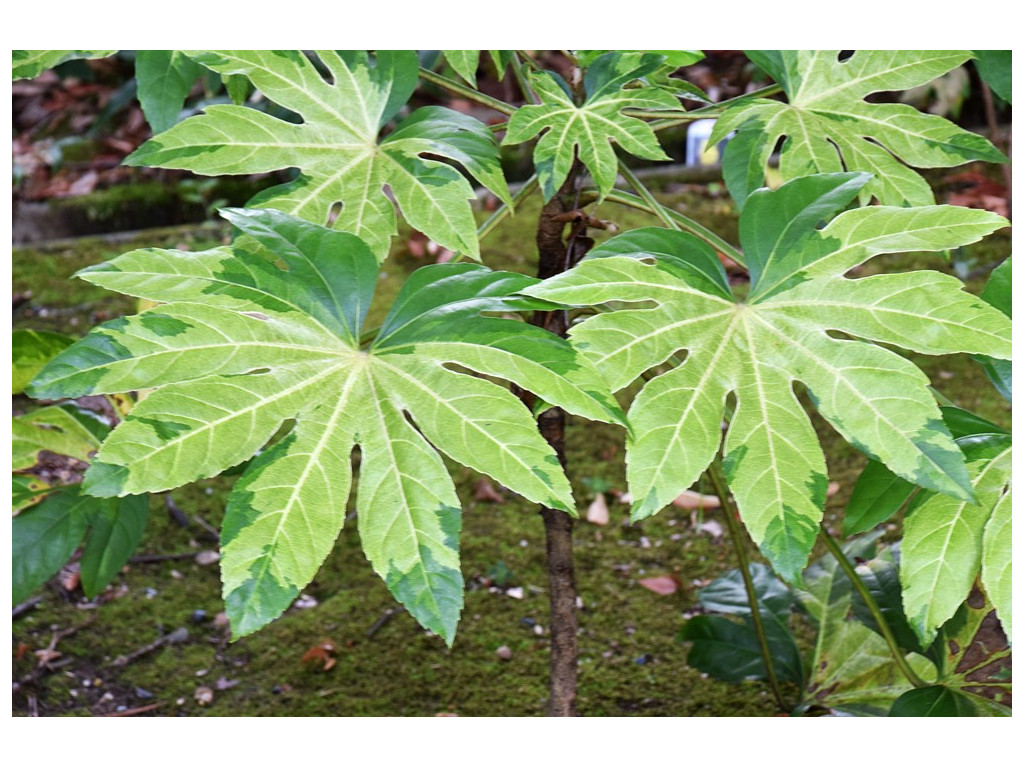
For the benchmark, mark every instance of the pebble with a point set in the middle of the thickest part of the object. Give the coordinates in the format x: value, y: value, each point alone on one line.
x: 203, y: 695
x: 504, y: 652
x: 538, y: 630
x: 207, y: 557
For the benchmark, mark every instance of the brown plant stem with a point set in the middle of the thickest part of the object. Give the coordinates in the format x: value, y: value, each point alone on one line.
x: 554, y: 257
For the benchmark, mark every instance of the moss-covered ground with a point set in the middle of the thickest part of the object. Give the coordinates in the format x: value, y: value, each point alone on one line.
x: 381, y: 662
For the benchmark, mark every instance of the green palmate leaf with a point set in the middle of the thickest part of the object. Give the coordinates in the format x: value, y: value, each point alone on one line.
x: 30, y: 351
x: 32, y: 63
x: 589, y: 130
x: 268, y: 330
x: 943, y: 548
x: 64, y: 429
x: 879, y: 493
x: 758, y: 348
x: 828, y: 125
x: 164, y: 79
x: 336, y: 145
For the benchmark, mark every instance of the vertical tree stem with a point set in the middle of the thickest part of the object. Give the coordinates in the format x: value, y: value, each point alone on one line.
x: 552, y: 260
x: 737, y: 534
x: 876, y: 613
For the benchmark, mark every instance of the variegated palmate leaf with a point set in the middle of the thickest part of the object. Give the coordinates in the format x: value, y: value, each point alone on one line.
x: 757, y: 348
x: 589, y: 129
x: 336, y: 145
x: 948, y: 543
x: 828, y: 126
x: 268, y: 330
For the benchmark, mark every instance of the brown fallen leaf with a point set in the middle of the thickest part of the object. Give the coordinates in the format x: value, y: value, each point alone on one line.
x: 485, y: 492
x: 597, y: 512
x: 323, y: 653
x: 694, y: 500
x: 660, y: 585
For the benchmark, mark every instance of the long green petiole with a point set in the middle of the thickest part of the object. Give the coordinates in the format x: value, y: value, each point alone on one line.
x: 736, y: 534
x: 685, y: 223
x: 466, y: 92
x: 876, y: 613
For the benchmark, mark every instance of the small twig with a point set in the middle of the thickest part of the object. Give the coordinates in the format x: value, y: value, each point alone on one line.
x: 389, y: 614
x: 209, y: 528
x: 179, y: 635
x: 25, y: 607
x: 138, y: 559
x: 174, y: 512
x: 135, y: 711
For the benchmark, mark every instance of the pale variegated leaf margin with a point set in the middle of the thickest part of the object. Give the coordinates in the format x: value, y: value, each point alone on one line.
x: 588, y: 130
x: 268, y: 330
x: 337, y: 147
x: 947, y: 544
x: 828, y: 126
x: 32, y: 63
x: 758, y: 348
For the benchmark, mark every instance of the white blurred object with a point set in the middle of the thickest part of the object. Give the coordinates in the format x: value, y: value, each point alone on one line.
x: 698, y: 152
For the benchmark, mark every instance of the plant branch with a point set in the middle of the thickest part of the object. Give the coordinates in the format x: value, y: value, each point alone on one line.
x: 685, y: 223
x: 507, y: 210
x: 653, y: 205
x: 465, y: 92
x: 524, y: 83
x: 717, y: 478
x: 876, y: 613
x: 670, y: 118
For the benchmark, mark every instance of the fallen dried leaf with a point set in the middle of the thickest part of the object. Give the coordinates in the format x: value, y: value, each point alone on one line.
x: 597, y: 512
x: 322, y: 653
x: 485, y: 492
x: 694, y: 500
x: 660, y: 585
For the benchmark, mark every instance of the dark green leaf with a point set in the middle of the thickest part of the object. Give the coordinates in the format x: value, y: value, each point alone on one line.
x: 116, y: 528
x: 728, y: 594
x: 996, y: 69
x: 933, y: 701
x: 729, y: 651
x: 165, y: 79
x: 44, y: 537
